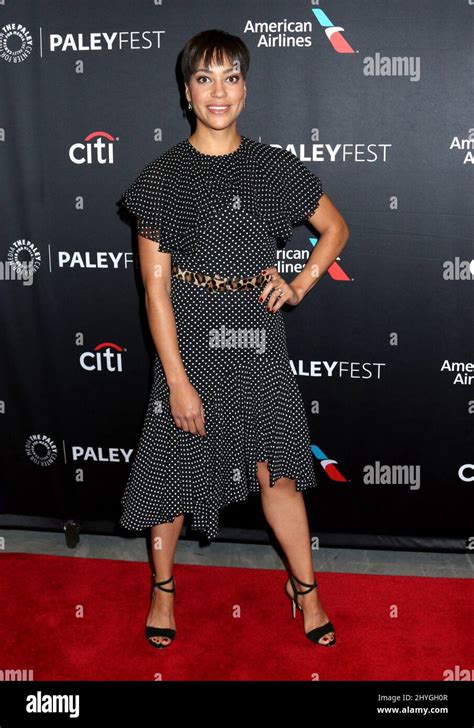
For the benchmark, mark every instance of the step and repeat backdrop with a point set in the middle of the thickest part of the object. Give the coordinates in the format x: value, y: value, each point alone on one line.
x: 375, y: 98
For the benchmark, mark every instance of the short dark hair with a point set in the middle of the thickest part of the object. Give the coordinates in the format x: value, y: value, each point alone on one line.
x: 213, y: 43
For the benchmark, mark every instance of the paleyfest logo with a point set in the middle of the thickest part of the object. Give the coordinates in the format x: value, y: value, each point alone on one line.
x: 16, y: 43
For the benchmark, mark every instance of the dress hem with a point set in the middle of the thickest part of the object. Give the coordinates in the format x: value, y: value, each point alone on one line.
x: 301, y: 484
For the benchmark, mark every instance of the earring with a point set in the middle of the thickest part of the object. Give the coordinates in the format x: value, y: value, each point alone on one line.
x: 190, y: 106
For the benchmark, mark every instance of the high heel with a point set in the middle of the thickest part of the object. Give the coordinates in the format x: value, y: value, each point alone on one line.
x: 161, y: 631
x: 318, y: 632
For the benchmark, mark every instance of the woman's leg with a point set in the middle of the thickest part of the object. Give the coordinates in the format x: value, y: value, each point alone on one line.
x: 164, y: 539
x: 285, y: 512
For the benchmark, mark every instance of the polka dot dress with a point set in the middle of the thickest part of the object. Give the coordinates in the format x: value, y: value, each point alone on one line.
x: 221, y: 214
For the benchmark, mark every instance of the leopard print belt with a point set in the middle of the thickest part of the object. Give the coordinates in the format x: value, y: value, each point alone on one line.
x: 217, y: 283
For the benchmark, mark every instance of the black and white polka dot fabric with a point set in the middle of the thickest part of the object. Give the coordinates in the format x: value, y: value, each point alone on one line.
x: 221, y: 214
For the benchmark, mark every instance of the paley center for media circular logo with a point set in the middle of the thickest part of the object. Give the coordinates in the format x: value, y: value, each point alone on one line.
x: 41, y: 449
x: 16, y: 43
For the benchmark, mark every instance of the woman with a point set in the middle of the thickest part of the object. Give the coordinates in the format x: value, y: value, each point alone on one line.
x: 225, y: 416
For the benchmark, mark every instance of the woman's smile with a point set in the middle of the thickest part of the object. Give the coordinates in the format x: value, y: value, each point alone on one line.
x: 221, y: 109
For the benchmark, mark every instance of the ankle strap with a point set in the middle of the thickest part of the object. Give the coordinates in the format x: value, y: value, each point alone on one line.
x: 311, y: 586
x: 159, y: 583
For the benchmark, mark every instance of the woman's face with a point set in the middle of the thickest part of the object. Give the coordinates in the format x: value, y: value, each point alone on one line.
x: 217, y: 93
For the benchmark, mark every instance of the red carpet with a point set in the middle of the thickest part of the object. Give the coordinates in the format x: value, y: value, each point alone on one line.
x: 40, y: 629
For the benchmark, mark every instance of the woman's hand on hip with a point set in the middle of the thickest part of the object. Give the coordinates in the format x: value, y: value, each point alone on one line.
x: 280, y: 291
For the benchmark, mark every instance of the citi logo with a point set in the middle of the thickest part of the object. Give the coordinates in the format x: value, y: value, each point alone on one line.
x: 333, y: 32
x: 106, y: 357
x: 97, y: 148
x: 329, y: 466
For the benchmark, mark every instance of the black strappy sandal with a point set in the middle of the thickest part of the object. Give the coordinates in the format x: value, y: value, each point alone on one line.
x: 314, y: 634
x: 161, y: 631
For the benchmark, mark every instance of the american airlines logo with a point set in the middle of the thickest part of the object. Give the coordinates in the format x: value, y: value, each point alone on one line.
x: 297, y: 33
x: 378, y: 65
x: 293, y: 260
x: 335, y: 270
x: 330, y: 466
x: 459, y: 372
x: 333, y: 32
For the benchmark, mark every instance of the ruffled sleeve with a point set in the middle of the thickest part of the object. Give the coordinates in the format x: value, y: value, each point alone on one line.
x: 297, y: 194
x: 150, y: 198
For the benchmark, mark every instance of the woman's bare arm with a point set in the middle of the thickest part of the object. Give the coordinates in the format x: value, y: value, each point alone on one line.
x: 334, y: 236
x: 155, y: 267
